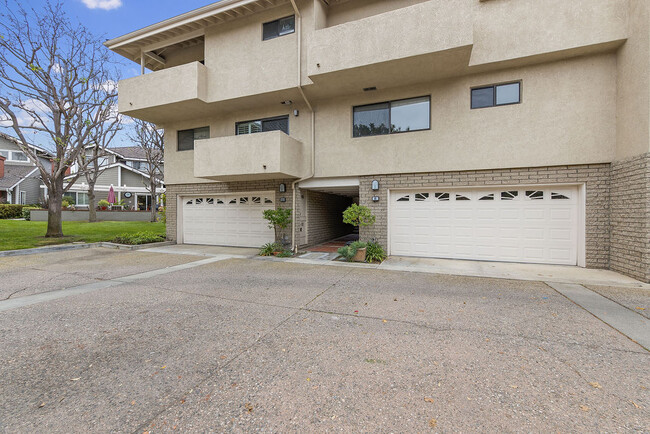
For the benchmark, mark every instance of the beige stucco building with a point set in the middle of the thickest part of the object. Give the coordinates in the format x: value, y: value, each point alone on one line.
x: 505, y: 130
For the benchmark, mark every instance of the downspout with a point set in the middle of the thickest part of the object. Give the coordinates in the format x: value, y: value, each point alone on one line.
x: 313, y: 122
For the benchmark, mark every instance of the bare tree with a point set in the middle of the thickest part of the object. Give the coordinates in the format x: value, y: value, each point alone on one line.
x: 55, y: 87
x: 92, y: 172
x: 150, y: 139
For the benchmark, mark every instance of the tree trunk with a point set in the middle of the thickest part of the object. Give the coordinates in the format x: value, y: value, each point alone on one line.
x: 54, y: 226
x: 92, y: 209
x: 153, y: 202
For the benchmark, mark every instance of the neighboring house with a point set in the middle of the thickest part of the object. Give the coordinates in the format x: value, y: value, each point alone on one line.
x: 124, y: 169
x: 502, y: 130
x: 20, y: 179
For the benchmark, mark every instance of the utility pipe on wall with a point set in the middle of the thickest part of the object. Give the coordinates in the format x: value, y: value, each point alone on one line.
x: 313, y: 122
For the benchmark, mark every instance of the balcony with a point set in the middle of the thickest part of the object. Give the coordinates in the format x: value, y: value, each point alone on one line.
x: 427, y: 40
x: 151, y: 96
x: 270, y: 155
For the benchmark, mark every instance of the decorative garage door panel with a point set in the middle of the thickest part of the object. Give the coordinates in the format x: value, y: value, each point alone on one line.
x: 232, y: 220
x: 508, y: 224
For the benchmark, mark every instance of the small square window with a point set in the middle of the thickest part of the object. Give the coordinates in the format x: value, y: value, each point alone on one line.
x: 507, y: 94
x: 483, y: 97
x: 281, y: 27
x: 496, y: 95
x: 186, y: 138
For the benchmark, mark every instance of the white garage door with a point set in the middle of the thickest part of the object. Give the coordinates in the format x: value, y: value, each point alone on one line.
x: 232, y: 220
x: 532, y: 224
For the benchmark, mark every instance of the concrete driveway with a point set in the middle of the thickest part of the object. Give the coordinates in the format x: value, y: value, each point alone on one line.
x: 140, y: 341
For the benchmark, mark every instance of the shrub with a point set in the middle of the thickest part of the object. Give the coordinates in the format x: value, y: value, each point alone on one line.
x: 27, y: 215
x: 357, y: 215
x: 65, y: 203
x: 375, y: 252
x: 162, y: 214
x: 139, y: 238
x: 103, y: 203
x: 285, y: 254
x: 350, y: 250
x: 11, y: 211
x: 268, y: 249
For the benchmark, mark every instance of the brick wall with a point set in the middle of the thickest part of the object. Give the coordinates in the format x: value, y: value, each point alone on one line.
x: 325, y: 216
x: 630, y: 217
x: 175, y: 190
x: 595, y: 176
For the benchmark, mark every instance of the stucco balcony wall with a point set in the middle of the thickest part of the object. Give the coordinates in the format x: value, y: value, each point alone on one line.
x: 270, y: 155
x: 417, y: 30
x: 155, y: 90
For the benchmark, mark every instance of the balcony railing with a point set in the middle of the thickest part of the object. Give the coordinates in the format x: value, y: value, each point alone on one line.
x: 270, y: 155
x: 421, y: 29
x: 155, y: 90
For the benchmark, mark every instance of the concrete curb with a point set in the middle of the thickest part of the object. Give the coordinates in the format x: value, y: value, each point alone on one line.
x: 72, y: 246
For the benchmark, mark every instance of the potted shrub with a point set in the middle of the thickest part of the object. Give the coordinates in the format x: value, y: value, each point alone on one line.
x: 65, y: 204
x: 355, y: 251
x: 103, y: 204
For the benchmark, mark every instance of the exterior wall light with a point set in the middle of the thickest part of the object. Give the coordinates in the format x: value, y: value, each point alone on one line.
x: 375, y: 198
x: 283, y: 188
x: 375, y: 185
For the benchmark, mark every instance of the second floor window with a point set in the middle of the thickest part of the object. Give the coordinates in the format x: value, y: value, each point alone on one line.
x: 281, y: 27
x: 392, y: 117
x: 14, y: 155
x: 100, y: 162
x: 186, y: 138
x: 280, y: 123
x: 499, y: 94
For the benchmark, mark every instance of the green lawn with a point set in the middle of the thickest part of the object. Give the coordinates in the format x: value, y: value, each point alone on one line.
x: 21, y: 234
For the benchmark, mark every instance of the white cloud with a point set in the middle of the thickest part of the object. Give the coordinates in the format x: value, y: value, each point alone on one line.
x: 109, y: 86
x: 24, y: 117
x: 107, y: 5
x: 36, y: 106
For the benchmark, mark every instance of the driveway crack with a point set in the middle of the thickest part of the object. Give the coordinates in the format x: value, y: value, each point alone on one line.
x: 15, y: 292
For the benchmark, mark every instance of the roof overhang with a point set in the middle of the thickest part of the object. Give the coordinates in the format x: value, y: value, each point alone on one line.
x: 189, y: 25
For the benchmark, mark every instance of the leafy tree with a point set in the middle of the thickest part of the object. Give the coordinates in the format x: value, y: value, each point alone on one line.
x: 55, y: 86
x: 279, y: 219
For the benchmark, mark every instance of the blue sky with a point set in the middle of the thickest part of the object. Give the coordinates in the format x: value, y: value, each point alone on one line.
x: 113, y: 18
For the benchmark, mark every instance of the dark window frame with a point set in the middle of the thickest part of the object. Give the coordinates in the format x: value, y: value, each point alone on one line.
x: 277, y: 33
x: 272, y: 118
x: 178, y: 141
x: 390, y: 102
x: 494, y: 94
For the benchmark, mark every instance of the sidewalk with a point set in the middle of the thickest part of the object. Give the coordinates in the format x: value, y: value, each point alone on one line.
x: 496, y: 270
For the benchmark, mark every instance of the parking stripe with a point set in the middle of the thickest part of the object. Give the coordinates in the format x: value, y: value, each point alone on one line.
x: 28, y: 300
x: 627, y: 322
